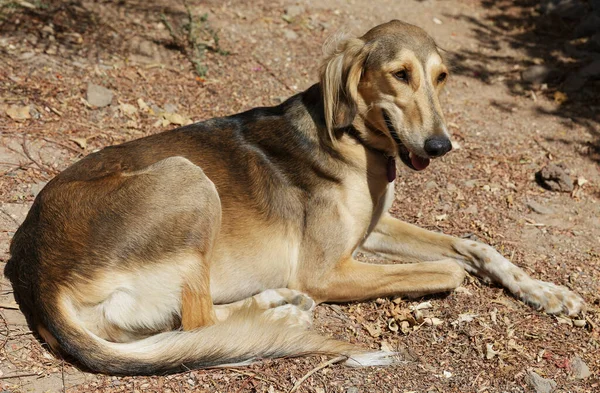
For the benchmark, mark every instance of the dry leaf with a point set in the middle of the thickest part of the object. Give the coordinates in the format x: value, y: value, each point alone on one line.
x: 540, y: 355
x: 559, y: 97
x: 422, y: 306
x: 579, y: 322
x: 581, y: 181
x: 512, y: 344
x: 405, y: 315
x: 494, y: 315
x: 504, y: 302
x: 176, y: 118
x: 81, y: 142
x: 563, y: 320
x: 385, y: 346
x: 432, y: 321
x: 132, y: 124
x: 405, y: 327
x: 127, y: 109
x: 464, y: 318
x: 392, y: 325
x: 441, y: 217
x: 418, y: 316
x: 489, y: 351
x: 26, y: 4
x: 464, y: 291
x: 373, y: 329
x: 18, y: 113
x: 143, y: 106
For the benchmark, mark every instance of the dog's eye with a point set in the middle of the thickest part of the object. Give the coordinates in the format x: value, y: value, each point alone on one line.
x: 402, y: 76
x: 442, y: 77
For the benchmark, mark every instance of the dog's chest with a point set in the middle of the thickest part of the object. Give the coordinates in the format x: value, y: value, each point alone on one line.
x: 384, y: 204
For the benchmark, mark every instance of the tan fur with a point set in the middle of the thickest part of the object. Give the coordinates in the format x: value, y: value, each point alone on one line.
x: 204, y: 245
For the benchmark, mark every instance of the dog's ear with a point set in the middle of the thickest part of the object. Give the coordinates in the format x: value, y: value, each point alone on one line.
x: 340, y: 76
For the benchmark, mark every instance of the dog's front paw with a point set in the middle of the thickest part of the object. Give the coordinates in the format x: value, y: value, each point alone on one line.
x: 553, y: 299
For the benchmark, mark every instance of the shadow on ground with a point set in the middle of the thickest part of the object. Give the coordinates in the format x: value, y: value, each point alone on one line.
x: 562, y: 41
x: 65, y: 26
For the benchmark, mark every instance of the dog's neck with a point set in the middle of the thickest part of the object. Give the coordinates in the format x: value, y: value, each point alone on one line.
x: 360, y: 130
x: 359, y: 134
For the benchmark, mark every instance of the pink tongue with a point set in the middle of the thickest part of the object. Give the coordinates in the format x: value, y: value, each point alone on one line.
x: 418, y: 162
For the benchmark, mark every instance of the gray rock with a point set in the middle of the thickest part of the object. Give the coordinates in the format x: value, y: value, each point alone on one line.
x: 539, y: 384
x: 554, y: 178
x: 472, y: 209
x: 144, y: 51
x: 431, y: 185
x: 290, y: 34
x: 352, y: 389
x: 98, y: 96
x: 539, y: 74
x: 171, y: 108
x: 579, y: 369
x: 470, y: 183
x: 294, y: 10
x: 538, y: 208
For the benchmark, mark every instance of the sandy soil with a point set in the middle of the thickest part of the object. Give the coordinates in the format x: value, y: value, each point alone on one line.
x: 507, y: 131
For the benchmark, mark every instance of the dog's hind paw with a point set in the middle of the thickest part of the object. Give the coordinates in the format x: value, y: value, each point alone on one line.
x: 553, y: 299
x: 272, y: 298
x: 291, y: 315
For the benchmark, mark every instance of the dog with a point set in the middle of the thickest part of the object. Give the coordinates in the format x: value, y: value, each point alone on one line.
x: 212, y: 243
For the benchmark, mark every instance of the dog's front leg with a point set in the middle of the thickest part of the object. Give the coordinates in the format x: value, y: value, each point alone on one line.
x: 395, y: 239
x: 350, y: 280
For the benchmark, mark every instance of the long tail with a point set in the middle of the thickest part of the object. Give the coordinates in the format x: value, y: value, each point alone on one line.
x: 243, y: 337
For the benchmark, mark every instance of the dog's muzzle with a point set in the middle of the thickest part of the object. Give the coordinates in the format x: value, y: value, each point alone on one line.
x: 409, y: 159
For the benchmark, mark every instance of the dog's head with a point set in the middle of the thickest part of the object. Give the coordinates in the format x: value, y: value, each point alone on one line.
x: 387, y: 85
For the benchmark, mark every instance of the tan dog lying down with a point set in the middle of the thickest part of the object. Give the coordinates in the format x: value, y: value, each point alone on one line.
x: 211, y: 244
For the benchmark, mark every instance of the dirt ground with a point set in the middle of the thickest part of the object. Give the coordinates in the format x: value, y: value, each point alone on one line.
x: 476, y: 339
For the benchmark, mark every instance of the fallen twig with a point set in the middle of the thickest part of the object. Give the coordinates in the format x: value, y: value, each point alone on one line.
x: 314, y: 370
x: 273, y: 75
x: 19, y: 375
x: 43, y: 167
x: 254, y: 375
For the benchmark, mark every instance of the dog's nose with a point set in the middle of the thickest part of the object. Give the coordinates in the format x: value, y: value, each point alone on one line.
x: 437, y: 146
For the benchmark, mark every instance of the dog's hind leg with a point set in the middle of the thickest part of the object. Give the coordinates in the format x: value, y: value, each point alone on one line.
x: 398, y: 240
x: 156, y: 227
x: 282, y: 303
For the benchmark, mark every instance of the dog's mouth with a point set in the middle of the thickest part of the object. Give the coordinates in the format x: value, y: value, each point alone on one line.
x: 409, y: 159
